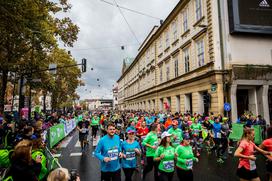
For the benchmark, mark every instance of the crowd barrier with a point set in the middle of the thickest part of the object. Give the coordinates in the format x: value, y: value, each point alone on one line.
x: 56, y: 133
x: 237, y: 132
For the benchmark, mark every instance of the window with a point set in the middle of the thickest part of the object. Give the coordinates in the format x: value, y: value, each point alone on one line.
x: 167, y: 73
x: 185, y: 20
x: 167, y: 43
x: 200, y: 53
x: 160, y: 74
x: 175, y: 31
x: 176, y: 68
x: 186, y: 60
x: 160, y: 44
x: 198, y: 9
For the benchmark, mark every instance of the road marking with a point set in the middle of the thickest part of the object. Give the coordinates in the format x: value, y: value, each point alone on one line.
x: 66, y: 142
x: 75, y: 154
x: 56, y: 155
x: 77, y: 144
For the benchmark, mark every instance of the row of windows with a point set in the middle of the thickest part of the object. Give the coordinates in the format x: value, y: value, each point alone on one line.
x: 186, y: 61
x: 185, y: 25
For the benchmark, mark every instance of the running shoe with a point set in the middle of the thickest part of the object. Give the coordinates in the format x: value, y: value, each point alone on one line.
x: 220, y: 160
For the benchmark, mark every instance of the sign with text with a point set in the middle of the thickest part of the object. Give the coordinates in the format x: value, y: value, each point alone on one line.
x: 254, y: 16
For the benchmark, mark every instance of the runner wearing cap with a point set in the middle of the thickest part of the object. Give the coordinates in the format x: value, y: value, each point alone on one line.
x: 130, y: 149
x: 165, y: 154
x: 176, y: 134
x: 185, y: 159
x: 151, y: 144
x: 267, y: 145
x: 108, y: 151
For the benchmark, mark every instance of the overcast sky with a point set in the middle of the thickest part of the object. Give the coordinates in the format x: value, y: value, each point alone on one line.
x: 103, y: 31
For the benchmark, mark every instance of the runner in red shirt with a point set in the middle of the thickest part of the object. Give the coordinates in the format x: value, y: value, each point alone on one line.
x: 267, y: 145
x: 247, y: 166
x: 143, y: 130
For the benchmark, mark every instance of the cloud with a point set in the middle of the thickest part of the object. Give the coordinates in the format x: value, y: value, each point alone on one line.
x: 102, y: 33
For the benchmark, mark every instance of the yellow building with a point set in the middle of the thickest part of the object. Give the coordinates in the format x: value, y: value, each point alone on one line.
x: 187, y: 63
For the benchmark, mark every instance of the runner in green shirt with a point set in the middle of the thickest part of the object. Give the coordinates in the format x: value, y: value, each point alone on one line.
x: 94, y: 124
x: 165, y: 154
x: 176, y: 134
x: 185, y: 159
x: 151, y: 144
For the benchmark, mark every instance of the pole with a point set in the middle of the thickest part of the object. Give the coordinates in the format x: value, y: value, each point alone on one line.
x: 13, y: 93
x: 29, y: 100
x: 21, y: 97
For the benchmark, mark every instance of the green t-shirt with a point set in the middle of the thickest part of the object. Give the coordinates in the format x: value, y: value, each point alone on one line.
x: 95, y: 122
x: 196, y: 127
x: 178, y: 133
x: 151, y: 139
x: 167, y: 164
x: 185, y: 157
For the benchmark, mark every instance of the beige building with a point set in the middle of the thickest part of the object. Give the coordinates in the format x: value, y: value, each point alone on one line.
x: 194, y: 61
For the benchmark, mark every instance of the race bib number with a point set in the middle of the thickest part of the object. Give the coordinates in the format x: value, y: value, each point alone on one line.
x: 113, y: 154
x: 84, y: 130
x: 218, y: 135
x: 252, y: 165
x: 130, y: 155
x: 168, y: 165
x: 189, y: 164
x: 177, y: 141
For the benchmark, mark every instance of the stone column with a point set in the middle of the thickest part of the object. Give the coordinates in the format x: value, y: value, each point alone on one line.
x: 233, y: 91
x: 265, y: 104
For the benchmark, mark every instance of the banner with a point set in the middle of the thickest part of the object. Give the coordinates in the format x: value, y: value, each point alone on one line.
x: 238, y: 129
x: 69, y: 126
x: 56, y: 134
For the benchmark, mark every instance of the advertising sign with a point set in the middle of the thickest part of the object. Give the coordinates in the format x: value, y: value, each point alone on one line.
x: 56, y: 133
x: 254, y: 16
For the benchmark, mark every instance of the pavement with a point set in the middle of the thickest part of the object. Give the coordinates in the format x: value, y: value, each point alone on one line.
x: 207, y: 169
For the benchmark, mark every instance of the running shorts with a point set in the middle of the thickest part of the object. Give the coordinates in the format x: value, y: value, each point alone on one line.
x: 246, y: 174
x: 83, y: 136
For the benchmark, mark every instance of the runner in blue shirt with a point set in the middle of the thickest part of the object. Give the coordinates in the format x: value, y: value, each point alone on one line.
x: 130, y: 149
x: 108, y: 151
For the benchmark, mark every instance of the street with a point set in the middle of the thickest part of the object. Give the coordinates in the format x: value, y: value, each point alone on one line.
x: 89, y: 169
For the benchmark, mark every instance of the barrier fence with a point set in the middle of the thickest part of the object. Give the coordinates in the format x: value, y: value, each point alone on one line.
x: 237, y: 132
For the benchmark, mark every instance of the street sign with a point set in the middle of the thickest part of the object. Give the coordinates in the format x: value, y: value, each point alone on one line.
x: 213, y: 87
x: 53, y: 68
x: 227, y: 107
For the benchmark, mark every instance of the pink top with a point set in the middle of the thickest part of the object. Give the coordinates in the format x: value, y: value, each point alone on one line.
x: 248, y: 150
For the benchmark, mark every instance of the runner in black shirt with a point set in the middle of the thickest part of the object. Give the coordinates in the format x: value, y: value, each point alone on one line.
x: 82, y: 127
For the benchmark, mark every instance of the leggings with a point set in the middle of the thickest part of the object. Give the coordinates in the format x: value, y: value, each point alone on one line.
x: 166, y: 176
x: 94, y: 131
x: 150, y: 164
x: 185, y: 174
x: 111, y: 176
x: 128, y: 173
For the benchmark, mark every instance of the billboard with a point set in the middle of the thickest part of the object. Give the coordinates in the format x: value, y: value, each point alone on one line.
x: 250, y: 16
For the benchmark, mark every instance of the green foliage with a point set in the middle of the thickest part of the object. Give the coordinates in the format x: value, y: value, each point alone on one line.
x: 29, y: 34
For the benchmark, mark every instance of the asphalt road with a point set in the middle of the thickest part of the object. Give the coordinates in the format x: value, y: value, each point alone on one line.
x: 207, y: 169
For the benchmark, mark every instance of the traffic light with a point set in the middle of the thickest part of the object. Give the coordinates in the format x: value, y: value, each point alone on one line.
x: 207, y: 99
x: 84, y: 65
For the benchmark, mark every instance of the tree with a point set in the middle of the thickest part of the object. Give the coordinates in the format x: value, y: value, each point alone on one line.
x: 28, y: 28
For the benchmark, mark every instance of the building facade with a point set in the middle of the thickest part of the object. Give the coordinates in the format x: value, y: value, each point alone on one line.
x: 194, y: 62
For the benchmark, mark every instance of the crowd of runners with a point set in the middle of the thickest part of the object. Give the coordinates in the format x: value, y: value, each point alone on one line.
x: 168, y: 143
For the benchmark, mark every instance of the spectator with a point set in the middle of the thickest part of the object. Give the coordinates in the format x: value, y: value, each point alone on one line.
x: 62, y: 174
x: 22, y: 164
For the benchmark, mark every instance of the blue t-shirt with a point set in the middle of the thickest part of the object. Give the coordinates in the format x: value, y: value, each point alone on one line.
x: 129, y: 150
x: 217, y: 130
x: 109, y: 147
